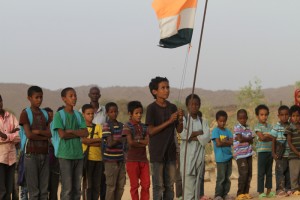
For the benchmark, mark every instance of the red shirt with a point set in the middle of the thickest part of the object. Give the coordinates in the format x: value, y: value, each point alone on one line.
x: 136, y: 154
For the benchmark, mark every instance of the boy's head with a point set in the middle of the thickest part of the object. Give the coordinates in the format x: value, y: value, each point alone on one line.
x: 262, y: 113
x: 283, y: 114
x: 88, y: 112
x: 112, y: 110
x: 294, y: 113
x: 159, y: 87
x: 35, y: 96
x: 94, y: 94
x: 242, y: 116
x: 69, y: 96
x: 221, y: 117
x: 50, y: 113
x: 193, y: 105
x: 135, y: 110
x: 297, y: 97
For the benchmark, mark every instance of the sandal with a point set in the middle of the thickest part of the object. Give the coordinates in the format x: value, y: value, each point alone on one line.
x: 271, y: 194
x: 281, y: 193
x: 296, y: 193
x: 205, y: 198
x: 262, y: 195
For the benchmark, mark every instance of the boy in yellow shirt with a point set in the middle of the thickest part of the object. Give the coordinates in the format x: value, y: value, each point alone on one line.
x: 92, y: 147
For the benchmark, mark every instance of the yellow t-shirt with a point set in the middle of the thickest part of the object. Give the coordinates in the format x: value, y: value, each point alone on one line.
x: 95, y: 153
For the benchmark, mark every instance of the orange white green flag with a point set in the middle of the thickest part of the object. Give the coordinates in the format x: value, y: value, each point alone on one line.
x: 176, y: 21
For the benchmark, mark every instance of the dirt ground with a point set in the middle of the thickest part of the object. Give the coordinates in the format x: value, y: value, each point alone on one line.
x: 209, y: 186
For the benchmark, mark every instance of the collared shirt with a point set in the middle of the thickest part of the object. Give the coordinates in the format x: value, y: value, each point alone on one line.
x: 7, y: 147
x: 244, y: 149
x: 260, y: 145
x: 278, y: 132
x: 100, y: 116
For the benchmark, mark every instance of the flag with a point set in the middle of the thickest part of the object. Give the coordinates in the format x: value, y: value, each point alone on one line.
x: 176, y: 21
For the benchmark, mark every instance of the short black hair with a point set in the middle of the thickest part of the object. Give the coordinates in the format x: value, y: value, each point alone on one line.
x: 0, y: 96
x: 86, y: 106
x: 189, y: 97
x: 60, y: 108
x: 221, y: 113
x: 240, y: 111
x: 34, y: 89
x: 283, y: 107
x: 132, y: 105
x: 48, y: 109
x: 153, y: 85
x: 261, y: 107
x: 110, y: 104
x: 64, y: 91
x: 294, y: 109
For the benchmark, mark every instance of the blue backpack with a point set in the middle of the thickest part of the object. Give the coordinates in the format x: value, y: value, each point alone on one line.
x: 22, y: 131
x: 21, y: 167
x: 55, y: 139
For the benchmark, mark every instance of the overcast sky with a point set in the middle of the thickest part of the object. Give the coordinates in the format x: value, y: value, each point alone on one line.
x: 55, y: 44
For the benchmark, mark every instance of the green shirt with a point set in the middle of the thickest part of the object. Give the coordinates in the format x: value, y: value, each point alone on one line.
x: 69, y: 148
x: 260, y: 145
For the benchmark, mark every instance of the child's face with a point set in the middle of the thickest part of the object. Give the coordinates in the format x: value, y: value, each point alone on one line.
x: 283, y: 116
x: 194, y: 106
x: 137, y: 114
x: 70, y: 98
x: 112, y: 113
x: 162, y: 91
x: 88, y: 115
x: 263, y: 116
x: 295, y: 118
x: 36, y: 99
x: 94, y: 95
x: 242, y: 118
x: 222, y: 122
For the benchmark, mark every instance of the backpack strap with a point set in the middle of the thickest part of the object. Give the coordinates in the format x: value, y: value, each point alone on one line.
x: 63, y: 116
x: 30, y: 118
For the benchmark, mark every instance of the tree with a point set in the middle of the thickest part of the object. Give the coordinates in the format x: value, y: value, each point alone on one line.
x: 251, y: 94
x: 297, y: 84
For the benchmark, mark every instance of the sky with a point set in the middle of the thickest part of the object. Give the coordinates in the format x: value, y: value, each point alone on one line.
x: 57, y: 44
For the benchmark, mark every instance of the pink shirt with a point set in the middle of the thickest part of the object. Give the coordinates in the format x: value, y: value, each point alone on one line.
x: 7, y: 147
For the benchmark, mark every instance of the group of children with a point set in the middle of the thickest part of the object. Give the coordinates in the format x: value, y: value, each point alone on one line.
x: 279, y: 142
x: 93, y: 144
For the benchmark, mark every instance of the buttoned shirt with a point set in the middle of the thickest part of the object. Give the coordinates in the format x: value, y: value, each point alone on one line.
x: 8, y: 154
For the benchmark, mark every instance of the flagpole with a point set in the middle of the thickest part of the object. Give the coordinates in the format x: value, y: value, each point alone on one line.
x: 193, y: 92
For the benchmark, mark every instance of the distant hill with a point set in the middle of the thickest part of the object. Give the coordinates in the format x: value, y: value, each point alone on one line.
x: 15, y: 96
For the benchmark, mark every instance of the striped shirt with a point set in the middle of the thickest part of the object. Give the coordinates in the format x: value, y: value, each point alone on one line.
x: 260, y: 145
x: 244, y: 149
x: 113, y: 153
x: 278, y: 132
x: 295, y: 133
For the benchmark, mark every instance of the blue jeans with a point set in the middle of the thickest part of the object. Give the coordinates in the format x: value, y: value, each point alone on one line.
x: 223, y: 183
x: 163, y: 179
x: 37, y: 175
x: 71, y: 174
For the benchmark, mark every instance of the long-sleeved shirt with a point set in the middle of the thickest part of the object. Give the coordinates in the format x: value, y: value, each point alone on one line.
x: 7, y: 146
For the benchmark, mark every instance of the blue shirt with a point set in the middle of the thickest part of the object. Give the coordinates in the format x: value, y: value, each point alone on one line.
x: 278, y: 132
x: 222, y: 154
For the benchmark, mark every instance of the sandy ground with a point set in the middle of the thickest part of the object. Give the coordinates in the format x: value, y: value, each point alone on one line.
x: 209, y: 187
